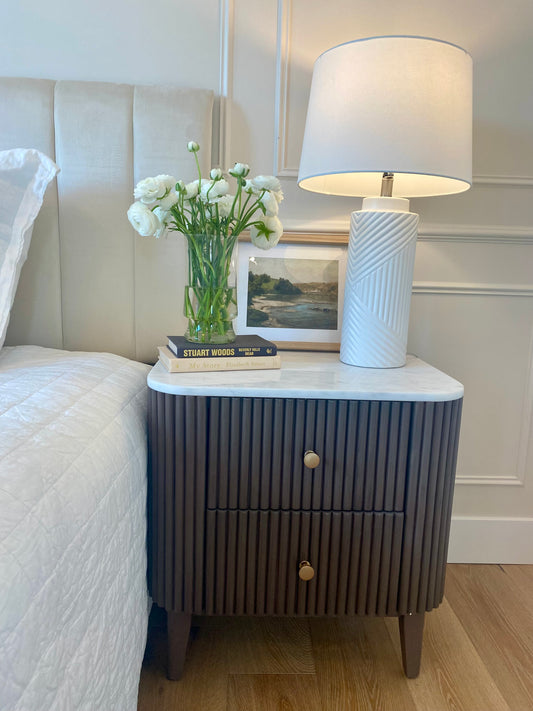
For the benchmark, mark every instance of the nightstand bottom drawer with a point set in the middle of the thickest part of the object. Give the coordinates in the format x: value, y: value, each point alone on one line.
x: 253, y: 559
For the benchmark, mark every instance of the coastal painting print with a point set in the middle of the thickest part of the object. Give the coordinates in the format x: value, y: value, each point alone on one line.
x: 291, y: 293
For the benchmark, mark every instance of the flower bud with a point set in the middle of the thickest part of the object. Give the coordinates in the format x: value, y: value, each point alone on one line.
x: 193, y: 147
x: 266, y: 233
x: 240, y: 170
x: 216, y: 174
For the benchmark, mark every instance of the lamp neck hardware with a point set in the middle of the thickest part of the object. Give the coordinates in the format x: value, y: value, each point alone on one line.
x: 386, y: 184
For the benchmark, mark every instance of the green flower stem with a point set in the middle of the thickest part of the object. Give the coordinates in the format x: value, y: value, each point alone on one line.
x: 210, y: 303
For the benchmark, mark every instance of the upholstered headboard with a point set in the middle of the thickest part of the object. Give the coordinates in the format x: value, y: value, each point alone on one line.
x: 90, y: 282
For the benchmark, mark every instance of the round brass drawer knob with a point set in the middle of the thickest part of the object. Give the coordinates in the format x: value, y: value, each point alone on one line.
x: 306, y: 572
x: 311, y: 459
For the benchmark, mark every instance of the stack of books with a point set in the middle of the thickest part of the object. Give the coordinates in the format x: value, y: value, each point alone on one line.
x: 245, y: 353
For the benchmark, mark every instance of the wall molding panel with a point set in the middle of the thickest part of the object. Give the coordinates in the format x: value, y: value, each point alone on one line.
x: 472, y: 289
x: 466, y: 480
x: 520, y: 465
x: 282, y: 88
x: 514, y: 181
x: 491, y: 540
x: 222, y: 113
x: 525, y: 443
x: 502, y: 234
x: 483, y: 234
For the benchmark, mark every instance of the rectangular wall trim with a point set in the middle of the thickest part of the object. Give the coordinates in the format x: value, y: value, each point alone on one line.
x: 491, y: 540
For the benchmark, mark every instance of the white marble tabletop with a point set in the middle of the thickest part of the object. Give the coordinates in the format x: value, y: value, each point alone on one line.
x: 315, y: 375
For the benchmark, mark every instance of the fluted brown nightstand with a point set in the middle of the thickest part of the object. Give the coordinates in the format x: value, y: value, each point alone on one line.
x: 317, y: 489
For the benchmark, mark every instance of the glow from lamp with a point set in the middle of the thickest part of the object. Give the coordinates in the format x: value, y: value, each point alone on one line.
x: 399, y: 107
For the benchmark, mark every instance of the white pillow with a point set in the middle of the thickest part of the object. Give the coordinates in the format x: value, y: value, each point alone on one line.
x: 24, y: 176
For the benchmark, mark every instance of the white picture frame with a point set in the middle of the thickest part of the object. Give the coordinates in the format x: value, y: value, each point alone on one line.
x: 290, y: 259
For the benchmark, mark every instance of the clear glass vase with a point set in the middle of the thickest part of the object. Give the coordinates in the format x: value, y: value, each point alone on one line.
x: 211, y: 295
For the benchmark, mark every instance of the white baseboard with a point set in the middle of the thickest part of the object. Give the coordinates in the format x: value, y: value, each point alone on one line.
x: 491, y: 540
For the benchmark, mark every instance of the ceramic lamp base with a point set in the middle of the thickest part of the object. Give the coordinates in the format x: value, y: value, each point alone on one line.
x: 379, y: 277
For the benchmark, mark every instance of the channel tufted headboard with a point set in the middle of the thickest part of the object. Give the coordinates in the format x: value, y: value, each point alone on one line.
x: 90, y: 282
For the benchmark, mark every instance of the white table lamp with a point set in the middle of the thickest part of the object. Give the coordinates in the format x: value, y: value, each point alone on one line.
x: 389, y: 118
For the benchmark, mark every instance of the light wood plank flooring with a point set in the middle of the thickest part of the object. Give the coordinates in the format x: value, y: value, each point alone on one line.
x: 477, y: 656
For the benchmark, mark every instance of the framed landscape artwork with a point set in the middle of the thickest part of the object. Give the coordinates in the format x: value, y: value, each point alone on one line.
x: 292, y: 294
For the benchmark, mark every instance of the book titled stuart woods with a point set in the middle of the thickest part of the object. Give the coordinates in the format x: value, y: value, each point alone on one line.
x: 243, y: 347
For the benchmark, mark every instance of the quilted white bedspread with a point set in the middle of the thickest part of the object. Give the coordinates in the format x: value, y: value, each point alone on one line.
x: 73, y: 599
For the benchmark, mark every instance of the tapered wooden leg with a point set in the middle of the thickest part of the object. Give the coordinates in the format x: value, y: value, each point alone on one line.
x: 411, y: 634
x: 178, y: 628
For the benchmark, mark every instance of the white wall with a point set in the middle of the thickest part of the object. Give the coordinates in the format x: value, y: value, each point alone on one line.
x: 472, y: 310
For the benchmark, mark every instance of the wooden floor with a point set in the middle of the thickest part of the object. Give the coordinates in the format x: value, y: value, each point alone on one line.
x: 477, y: 656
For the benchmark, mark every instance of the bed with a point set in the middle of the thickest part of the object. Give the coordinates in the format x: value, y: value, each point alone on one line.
x: 84, y: 303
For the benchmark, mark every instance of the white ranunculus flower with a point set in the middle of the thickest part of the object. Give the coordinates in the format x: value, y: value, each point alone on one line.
x: 249, y: 188
x: 215, y: 173
x: 206, y: 186
x: 267, y: 233
x: 269, y: 202
x: 221, y: 188
x: 169, y: 200
x: 212, y: 189
x: 191, y: 190
x: 150, y: 189
x: 193, y: 147
x: 143, y: 219
x: 224, y: 204
x: 162, y: 216
x: 169, y: 181
x: 266, y: 182
x: 278, y: 194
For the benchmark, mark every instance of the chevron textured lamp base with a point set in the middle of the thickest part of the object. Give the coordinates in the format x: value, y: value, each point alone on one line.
x: 379, y: 277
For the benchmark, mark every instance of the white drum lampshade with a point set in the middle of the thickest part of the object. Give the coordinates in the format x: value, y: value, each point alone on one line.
x: 400, y: 106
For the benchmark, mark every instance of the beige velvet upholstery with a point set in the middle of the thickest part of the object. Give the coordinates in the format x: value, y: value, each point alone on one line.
x: 90, y: 282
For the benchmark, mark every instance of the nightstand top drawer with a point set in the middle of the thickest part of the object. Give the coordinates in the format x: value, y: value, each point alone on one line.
x: 315, y: 375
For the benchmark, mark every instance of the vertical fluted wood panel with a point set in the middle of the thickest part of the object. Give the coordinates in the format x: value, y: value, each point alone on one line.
x: 240, y: 562
x: 262, y: 557
x: 235, y: 455
x: 451, y: 463
x: 336, y: 565
x: 256, y: 449
x: 177, y: 500
x: 277, y: 454
x: 399, y: 478
x: 360, y: 422
x: 289, y: 448
x: 256, y: 425
x: 275, y: 545
x: 152, y: 546
x: 410, y: 506
x: 393, y: 607
x: 327, y: 425
x: 226, y: 537
x: 430, y: 505
x: 295, y: 472
x: 281, y: 603
x: 169, y: 499
x: 437, y: 520
x: 429, y: 492
x: 246, y: 444
x: 369, y: 467
x: 352, y: 569
x: 160, y: 494
x: 341, y: 446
